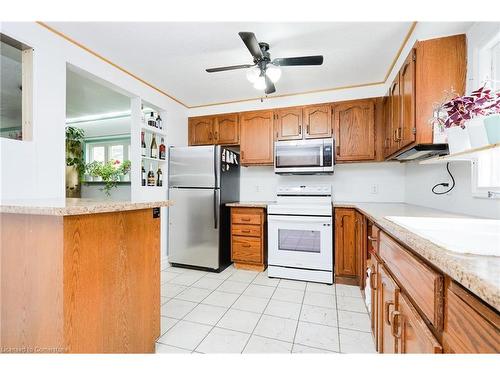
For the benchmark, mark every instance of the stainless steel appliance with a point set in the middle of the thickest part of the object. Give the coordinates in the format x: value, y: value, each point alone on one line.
x: 202, y: 180
x: 307, y: 156
x: 300, y: 233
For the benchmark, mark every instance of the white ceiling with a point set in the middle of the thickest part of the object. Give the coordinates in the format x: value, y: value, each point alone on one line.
x: 174, y: 56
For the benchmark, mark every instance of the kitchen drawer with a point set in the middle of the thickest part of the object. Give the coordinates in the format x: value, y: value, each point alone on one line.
x: 246, y: 230
x: 421, y: 283
x: 246, y: 249
x: 470, y: 325
x: 247, y: 216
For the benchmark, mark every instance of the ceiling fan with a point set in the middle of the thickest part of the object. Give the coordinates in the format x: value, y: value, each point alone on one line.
x: 266, y: 72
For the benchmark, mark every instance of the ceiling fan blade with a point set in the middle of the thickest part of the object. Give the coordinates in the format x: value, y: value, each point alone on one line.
x: 269, y: 85
x: 296, y: 61
x: 252, y: 44
x: 232, y: 67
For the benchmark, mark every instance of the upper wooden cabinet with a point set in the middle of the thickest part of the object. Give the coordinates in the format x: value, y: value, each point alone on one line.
x: 432, y: 68
x: 288, y: 123
x: 317, y: 121
x: 354, y: 125
x: 256, y: 143
x: 201, y: 131
x: 227, y: 129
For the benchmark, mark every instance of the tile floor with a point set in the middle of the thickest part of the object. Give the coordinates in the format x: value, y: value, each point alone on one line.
x: 239, y: 311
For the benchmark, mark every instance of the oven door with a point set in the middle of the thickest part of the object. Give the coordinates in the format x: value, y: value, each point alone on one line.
x: 300, y: 242
x: 298, y: 156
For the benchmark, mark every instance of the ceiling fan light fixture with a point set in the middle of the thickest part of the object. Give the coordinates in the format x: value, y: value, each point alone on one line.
x: 253, y: 74
x: 260, y: 83
x: 273, y: 72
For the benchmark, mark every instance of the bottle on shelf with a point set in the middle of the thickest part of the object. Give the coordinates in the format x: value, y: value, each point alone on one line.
x: 143, y: 175
x: 154, y: 148
x: 143, y: 145
x: 152, y: 120
x: 163, y: 150
x: 151, y: 176
x: 159, y: 122
x: 159, y: 177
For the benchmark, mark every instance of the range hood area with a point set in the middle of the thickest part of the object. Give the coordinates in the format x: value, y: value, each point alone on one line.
x: 423, y: 151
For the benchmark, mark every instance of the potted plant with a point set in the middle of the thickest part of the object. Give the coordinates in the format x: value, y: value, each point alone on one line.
x: 93, y: 170
x: 75, y: 165
x: 124, y: 170
x: 110, y: 174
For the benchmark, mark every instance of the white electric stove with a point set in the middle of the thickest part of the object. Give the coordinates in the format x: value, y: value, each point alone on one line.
x: 300, y: 234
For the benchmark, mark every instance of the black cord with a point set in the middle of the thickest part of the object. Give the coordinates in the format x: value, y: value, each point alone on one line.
x: 445, y: 184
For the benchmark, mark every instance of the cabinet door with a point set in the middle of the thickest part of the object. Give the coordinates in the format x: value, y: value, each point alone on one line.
x: 227, y: 129
x: 355, y: 130
x: 407, y: 129
x: 388, y: 135
x: 395, y: 103
x: 288, y: 123
x: 345, y: 246
x: 317, y: 121
x: 201, y: 131
x: 374, y: 267
x: 410, y: 330
x: 387, y: 304
x: 361, y: 248
x: 256, y: 142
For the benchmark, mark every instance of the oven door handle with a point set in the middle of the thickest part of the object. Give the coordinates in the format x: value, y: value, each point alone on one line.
x: 300, y: 219
x: 321, y: 151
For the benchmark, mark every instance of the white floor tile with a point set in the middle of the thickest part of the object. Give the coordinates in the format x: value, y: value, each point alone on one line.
x: 221, y: 275
x: 264, y: 345
x: 276, y: 328
x: 193, y: 294
x: 163, y: 300
x: 293, y: 284
x: 356, y: 342
x: 317, y: 336
x: 288, y: 295
x: 206, y: 314
x: 259, y: 291
x: 320, y: 299
x: 354, y: 320
x: 167, y: 276
x: 320, y: 288
x: 243, y: 276
x: 167, y: 349
x: 253, y: 304
x: 176, y: 308
x: 221, y: 340
x: 187, y: 278
x: 319, y: 315
x: 222, y: 299
x: 262, y: 279
x: 239, y: 320
x: 176, y: 270
x: 232, y: 287
x: 185, y: 335
x: 347, y: 290
x: 171, y: 290
x: 208, y: 283
x: 297, y: 348
x: 283, y: 309
x: 166, y: 323
x: 351, y: 304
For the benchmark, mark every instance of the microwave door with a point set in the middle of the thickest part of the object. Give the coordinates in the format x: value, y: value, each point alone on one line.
x: 299, y: 156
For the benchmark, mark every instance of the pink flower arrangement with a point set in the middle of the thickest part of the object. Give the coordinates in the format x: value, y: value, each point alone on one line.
x: 460, y: 109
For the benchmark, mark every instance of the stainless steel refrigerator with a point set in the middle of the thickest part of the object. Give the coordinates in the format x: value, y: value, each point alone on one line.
x: 201, y: 180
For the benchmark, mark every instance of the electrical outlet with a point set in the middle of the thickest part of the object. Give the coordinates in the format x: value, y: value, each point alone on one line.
x: 257, y: 188
x: 374, y: 189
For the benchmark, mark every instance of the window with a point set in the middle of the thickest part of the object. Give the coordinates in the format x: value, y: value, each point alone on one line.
x: 104, y: 151
x: 495, y: 66
x: 486, y: 174
x: 15, y: 89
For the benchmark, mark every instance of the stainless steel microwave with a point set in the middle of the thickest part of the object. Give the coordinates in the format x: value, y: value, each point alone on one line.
x: 307, y: 156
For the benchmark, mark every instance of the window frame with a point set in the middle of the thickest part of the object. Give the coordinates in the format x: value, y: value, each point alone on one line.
x: 89, y: 144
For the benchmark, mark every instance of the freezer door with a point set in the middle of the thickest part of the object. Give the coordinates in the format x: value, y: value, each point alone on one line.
x: 194, y: 227
x: 196, y: 166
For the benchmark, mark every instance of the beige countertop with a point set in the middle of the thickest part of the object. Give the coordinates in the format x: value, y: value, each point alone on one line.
x: 76, y: 206
x: 256, y: 204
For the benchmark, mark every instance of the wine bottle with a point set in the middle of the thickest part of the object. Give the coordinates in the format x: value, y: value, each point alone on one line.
x: 151, y: 176
x: 143, y: 145
x: 162, y: 149
x: 152, y: 120
x: 143, y: 175
x: 154, y: 148
x: 159, y: 121
x: 159, y: 178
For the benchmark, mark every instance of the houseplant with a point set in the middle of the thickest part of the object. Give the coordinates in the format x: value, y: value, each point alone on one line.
x: 75, y: 165
x: 124, y: 170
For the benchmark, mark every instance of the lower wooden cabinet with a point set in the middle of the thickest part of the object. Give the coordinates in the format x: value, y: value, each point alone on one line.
x: 388, y: 303
x: 248, y: 245
x: 346, y: 262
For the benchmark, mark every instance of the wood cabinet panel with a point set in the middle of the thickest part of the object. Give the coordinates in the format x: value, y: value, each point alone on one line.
x: 361, y: 243
x: 354, y: 130
x: 470, y: 325
x: 201, y: 131
x: 246, y: 216
x: 246, y: 230
x: 374, y: 313
x: 388, y: 146
x: 227, y: 129
x: 395, y: 121
x: 317, y: 121
x: 246, y: 249
x: 412, y: 333
x: 346, y: 261
x: 288, y: 123
x: 256, y: 142
x: 388, y: 302
x: 407, y: 130
x: 421, y: 283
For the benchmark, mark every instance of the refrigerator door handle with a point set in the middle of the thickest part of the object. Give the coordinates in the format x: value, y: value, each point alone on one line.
x: 216, y: 208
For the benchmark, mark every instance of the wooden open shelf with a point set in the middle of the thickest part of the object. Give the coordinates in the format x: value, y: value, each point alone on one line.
x: 468, y: 155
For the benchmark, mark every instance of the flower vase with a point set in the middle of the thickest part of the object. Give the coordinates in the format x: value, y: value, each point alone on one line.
x: 477, y: 132
x: 492, y: 126
x: 458, y: 139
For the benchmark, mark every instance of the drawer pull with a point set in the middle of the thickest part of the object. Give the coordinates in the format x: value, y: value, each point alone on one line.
x: 372, y: 278
x: 245, y: 231
x: 386, y: 308
x: 246, y: 245
x: 245, y: 219
x: 396, y: 326
x: 373, y: 239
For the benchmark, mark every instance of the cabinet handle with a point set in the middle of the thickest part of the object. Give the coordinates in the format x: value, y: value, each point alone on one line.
x: 245, y: 245
x: 245, y: 231
x: 398, y: 134
x: 210, y: 136
x: 300, y: 130
x: 216, y: 136
x: 387, y: 305
x: 308, y: 129
x: 245, y: 219
x: 396, y: 327
x: 372, y: 277
x: 242, y: 157
x: 338, y: 150
x: 373, y: 239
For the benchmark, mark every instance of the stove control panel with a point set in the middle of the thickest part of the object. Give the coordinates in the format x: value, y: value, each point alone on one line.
x: 305, y: 190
